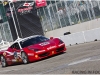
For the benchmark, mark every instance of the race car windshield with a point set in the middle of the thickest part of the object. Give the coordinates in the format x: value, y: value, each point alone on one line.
x: 33, y: 41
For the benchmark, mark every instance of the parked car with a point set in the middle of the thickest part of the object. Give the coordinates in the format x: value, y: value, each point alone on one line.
x: 30, y: 49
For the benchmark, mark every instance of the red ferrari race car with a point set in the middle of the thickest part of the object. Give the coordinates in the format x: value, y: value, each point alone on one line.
x: 30, y: 49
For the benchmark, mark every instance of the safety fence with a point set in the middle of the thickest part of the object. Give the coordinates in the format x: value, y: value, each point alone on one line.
x: 81, y: 37
x: 71, y: 39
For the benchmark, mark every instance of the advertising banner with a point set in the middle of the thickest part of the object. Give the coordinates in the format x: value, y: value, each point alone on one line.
x: 26, y: 18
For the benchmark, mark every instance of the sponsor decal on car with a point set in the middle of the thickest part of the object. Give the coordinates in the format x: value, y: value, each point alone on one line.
x: 51, y: 47
x: 4, y: 53
x: 44, y: 43
x: 10, y: 53
x: 40, y: 51
x: 61, y: 44
x: 14, y: 60
x: 30, y: 54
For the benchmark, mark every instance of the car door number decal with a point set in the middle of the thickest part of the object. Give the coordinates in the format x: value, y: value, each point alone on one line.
x: 15, y: 55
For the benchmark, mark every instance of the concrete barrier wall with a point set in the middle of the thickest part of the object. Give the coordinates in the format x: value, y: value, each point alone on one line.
x: 92, y: 35
x: 81, y: 37
x: 74, y: 38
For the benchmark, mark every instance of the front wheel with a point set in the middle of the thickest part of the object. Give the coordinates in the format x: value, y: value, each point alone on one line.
x: 24, y: 58
x: 3, y: 61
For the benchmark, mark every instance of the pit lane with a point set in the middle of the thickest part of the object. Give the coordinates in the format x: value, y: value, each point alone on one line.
x: 83, y: 57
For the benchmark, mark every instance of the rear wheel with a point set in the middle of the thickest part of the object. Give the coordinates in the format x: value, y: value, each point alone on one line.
x: 24, y: 58
x: 3, y: 61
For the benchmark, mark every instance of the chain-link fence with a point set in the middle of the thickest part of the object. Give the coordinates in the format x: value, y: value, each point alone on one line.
x: 58, y: 13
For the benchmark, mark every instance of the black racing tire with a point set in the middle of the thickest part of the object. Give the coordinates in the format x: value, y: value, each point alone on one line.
x: 3, y: 61
x: 24, y: 58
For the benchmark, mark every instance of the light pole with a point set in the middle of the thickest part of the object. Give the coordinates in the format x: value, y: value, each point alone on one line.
x: 13, y: 20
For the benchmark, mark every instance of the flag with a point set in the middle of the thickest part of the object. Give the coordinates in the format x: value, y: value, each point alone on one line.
x: 40, y: 3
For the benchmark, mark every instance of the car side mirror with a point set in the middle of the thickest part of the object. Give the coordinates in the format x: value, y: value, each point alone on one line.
x: 51, y: 38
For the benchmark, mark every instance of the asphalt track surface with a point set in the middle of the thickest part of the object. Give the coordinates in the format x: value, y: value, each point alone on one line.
x: 78, y: 59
